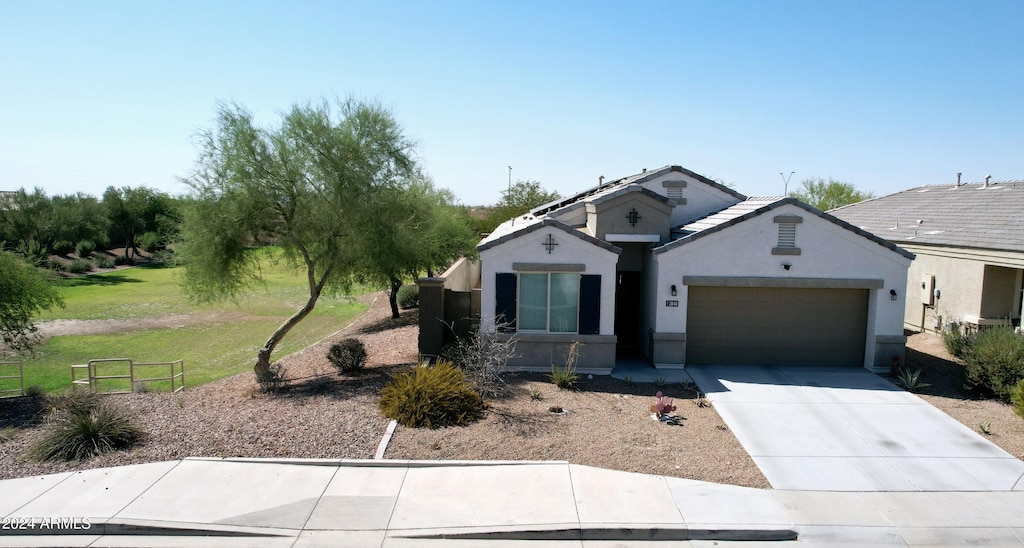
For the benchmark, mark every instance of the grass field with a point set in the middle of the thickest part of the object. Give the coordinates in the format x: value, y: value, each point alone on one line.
x: 210, y: 351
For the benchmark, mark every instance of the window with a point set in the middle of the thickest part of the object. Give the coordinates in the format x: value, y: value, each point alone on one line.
x: 549, y: 302
x: 562, y: 300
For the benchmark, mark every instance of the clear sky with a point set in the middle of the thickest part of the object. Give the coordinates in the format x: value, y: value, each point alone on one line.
x: 884, y: 94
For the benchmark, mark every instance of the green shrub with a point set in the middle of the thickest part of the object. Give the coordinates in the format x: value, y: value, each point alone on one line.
x: 348, y: 356
x: 150, y: 241
x: 121, y: 260
x: 104, y: 261
x: 62, y: 247
x: 954, y: 339
x: 433, y: 397
x: 79, y: 266
x: 84, y: 431
x: 1017, y: 399
x: 56, y: 265
x: 995, y: 360
x: 85, y: 248
x: 34, y: 391
x: 409, y: 296
x: 565, y: 376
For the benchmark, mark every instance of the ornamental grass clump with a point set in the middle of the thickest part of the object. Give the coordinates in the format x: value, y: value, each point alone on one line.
x: 82, y: 427
x: 432, y: 397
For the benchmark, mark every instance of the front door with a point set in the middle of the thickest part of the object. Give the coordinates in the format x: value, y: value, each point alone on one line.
x: 627, y: 308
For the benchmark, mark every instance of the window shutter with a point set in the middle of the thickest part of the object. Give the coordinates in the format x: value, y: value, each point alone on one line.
x: 590, y: 304
x: 505, y: 295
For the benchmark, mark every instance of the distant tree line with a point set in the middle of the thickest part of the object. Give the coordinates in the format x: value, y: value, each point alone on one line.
x: 35, y: 225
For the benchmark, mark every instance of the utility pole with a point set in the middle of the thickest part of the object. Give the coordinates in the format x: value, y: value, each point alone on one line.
x: 785, y: 180
x: 510, y: 179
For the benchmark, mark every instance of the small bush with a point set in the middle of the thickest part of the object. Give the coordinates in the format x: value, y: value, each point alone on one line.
x: 1017, y: 399
x: 273, y: 380
x: 80, y: 266
x: 81, y: 432
x: 103, y: 261
x: 56, y: 265
x: 35, y: 391
x: 409, y: 296
x: 121, y: 260
x: 995, y: 361
x: 150, y: 241
x: 75, y: 401
x: 432, y: 397
x: 85, y: 248
x: 954, y: 339
x: 348, y: 356
x: 62, y: 247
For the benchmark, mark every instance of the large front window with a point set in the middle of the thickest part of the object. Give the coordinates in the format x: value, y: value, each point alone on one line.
x: 549, y: 302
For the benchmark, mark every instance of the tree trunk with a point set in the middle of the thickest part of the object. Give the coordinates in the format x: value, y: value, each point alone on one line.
x: 262, y: 367
x: 393, y: 297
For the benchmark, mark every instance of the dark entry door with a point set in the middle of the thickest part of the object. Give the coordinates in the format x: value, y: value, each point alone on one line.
x: 627, y: 308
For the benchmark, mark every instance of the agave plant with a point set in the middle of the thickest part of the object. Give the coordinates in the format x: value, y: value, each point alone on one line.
x: 911, y: 379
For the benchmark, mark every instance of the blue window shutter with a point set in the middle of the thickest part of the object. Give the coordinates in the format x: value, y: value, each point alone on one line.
x: 505, y: 295
x: 590, y: 304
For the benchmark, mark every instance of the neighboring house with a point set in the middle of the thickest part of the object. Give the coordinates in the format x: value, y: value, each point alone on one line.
x: 685, y: 271
x: 969, y: 243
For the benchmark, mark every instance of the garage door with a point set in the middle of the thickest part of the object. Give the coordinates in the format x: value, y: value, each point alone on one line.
x: 776, y: 326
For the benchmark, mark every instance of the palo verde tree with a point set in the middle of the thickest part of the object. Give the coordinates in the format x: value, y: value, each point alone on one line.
x: 24, y: 291
x: 409, y: 229
x: 826, y: 195
x: 298, y: 185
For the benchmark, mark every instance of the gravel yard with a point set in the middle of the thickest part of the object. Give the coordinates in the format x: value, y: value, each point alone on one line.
x: 605, y: 423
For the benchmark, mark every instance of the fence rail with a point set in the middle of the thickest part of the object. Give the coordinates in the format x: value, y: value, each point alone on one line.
x: 12, y: 392
x: 111, y: 375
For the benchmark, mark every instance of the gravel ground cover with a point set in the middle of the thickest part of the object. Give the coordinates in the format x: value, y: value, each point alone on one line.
x: 605, y: 423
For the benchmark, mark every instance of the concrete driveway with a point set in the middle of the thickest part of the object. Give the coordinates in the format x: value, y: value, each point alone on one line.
x: 846, y: 429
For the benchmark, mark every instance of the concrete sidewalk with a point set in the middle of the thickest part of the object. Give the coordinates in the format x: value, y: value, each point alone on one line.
x: 245, y: 502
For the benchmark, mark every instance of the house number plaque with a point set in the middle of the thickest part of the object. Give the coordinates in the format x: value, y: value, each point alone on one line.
x: 674, y: 304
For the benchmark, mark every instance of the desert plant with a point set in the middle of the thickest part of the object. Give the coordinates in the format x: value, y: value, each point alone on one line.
x: 56, y: 265
x: 75, y: 401
x: 80, y: 266
x: 34, y: 391
x: 994, y: 360
x: 911, y: 379
x: 62, y: 247
x: 701, y: 401
x: 556, y: 409
x: 1017, y: 398
x: 535, y: 394
x: 660, y: 382
x: 954, y: 339
x: 7, y: 433
x: 85, y: 248
x: 483, y: 358
x: 103, y: 261
x: 273, y: 380
x: 409, y: 296
x: 348, y: 356
x: 662, y: 405
x: 432, y: 397
x: 122, y: 260
x: 564, y: 376
x: 82, y: 432
x: 985, y: 428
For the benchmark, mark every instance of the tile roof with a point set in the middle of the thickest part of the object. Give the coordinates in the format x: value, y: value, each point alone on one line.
x: 626, y: 181
x: 528, y: 223
x: 969, y: 215
x: 752, y: 207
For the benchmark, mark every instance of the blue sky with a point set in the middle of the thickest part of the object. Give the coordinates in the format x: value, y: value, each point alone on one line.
x: 886, y: 95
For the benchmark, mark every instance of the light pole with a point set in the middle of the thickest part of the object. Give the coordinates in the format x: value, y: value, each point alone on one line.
x: 510, y: 178
x: 785, y: 179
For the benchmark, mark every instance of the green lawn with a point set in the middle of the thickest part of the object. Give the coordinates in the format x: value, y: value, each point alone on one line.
x: 211, y: 351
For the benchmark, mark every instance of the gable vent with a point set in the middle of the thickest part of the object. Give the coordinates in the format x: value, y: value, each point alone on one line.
x: 675, y: 193
x: 787, y: 235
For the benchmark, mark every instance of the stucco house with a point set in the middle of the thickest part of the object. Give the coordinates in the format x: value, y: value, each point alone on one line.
x: 969, y: 243
x: 686, y: 271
